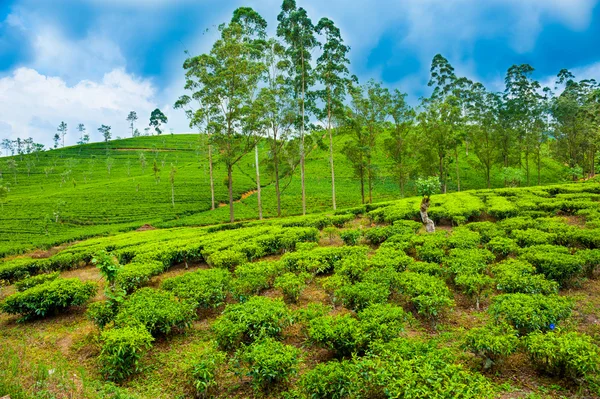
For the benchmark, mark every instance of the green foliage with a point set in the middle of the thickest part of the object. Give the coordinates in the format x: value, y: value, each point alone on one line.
x: 362, y: 294
x: 554, y: 262
x: 269, y: 362
x: 227, y: 259
x: 513, y: 276
x: 101, y: 313
x: 529, y: 313
x: 429, y: 294
x: 50, y: 297
x: 590, y: 259
x: 108, y: 265
x: 35, y: 280
x: 493, y: 343
x: 529, y: 237
x: 204, y: 288
x: 311, y: 311
x: 475, y: 285
x: 342, y: 334
x: 433, y: 269
x: 464, y: 238
x: 486, y: 230
x: 352, y: 267
x: 565, y: 354
x: 292, y: 285
x: 319, y: 260
x: 20, y: 268
x: 259, y: 317
x: 204, y: 370
x: 382, y: 321
x: 351, y: 237
x: 427, y: 187
x: 157, y: 310
x: 138, y: 274
x: 502, y: 246
x: 253, y: 278
x: 122, y: 349
x: 331, y: 380
x: 387, y: 256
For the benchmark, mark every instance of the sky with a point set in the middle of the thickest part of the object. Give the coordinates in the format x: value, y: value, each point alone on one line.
x: 93, y: 61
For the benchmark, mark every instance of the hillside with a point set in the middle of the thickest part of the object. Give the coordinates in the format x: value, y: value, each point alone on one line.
x: 69, y: 194
x: 503, y: 301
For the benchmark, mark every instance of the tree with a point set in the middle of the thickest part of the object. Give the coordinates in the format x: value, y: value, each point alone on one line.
x: 157, y: 118
x: 56, y: 140
x: 8, y: 146
x: 332, y: 72
x: 156, y: 171
x: 62, y: 130
x: 172, y: 181
x: 397, y: 145
x: 485, y: 125
x: 131, y: 118
x: 84, y: 138
x: 426, y: 188
x: 297, y: 31
x: 105, y: 131
x: 142, y: 159
x: 12, y: 165
x: 109, y: 164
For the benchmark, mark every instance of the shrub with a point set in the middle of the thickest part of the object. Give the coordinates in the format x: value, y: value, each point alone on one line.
x: 331, y: 380
x: 486, y: 230
x: 469, y: 261
x: 319, y: 260
x: 292, y: 285
x: 137, y: 274
x: 387, y: 256
x: 205, y: 368
x: 204, y: 288
x: 513, y: 276
x: 269, y: 362
x: 590, y: 260
x: 554, y: 262
x: 342, y: 334
x: 528, y: 313
x: 253, y: 278
x: 362, y: 294
x: 568, y: 354
x: 246, y: 322
x: 340, y: 221
x: 306, y: 246
x: 30, y: 282
x: 382, y: 321
x: 122, y: 348
x: 51, y: 297
x: 492, y: 343
x: 529, y: 237
x: 475, y: 285
x: 226, y: 259
x: 431, y: 253
x: 377, y: 235
x: 101, y: 313
x: 19, y: 268
x: 465, y: 238
x: 428, y: 294
x: 157, y: 310
x: 433, y: 269
x: 351, y: 237
x: 500, y: 207
x: 516, y: 223
x: 502, y: 246
x: 352, y: 267
x: 311, y: 311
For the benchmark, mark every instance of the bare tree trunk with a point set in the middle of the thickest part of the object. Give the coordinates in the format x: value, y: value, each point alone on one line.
x: 230, y: 189
x: 370, y: 181
x: 429, y: 225
x: 457, y: 170
x: 527, y: 166
x: 442, y: 174
x: 362, y: 186
x: 212, y: 182
x: 260, y: 216
x: 331, y: 160
x: 276, y: 161
x: 173, y: 194
x: 302, y: 145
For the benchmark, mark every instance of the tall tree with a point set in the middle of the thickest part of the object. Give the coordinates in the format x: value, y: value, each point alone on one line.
x: 8, y: 146
x: 332, y: 72
x: 397, y: 146
x: 82, y: 134
x: 56, y: 140
x: 105, y: 131
x: 62, y: 131
x: 297, y: 31
x: 484, y: 117
x: 132, y: 118
x: 172, y: 181
x: 157, y: 118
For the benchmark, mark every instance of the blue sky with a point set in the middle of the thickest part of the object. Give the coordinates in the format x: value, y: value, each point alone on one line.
x: 92, y: 61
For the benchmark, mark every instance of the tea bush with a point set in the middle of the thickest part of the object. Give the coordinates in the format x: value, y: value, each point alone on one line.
x: 20, y: 268
x: 461, y: 261
x: 342, y: 334
x: 30, y: 282
x: 464, y: 238
x: 101, y: 313
x: 157, y: 310
x: 362, y: 294
x: 387, y: 256
x: 492, y: 343
x: 529, y: 237
x: 255, y: 277
x: 269, y: 362
x: 352, y: 267
x: 430, y: 252
x: 555, y: 262
x: 311, y: 311
x: 227, y: 259
x: 590, y: 260
x: 429, y: 294
x: 529, y: 313
x: 122, y: 349
x: 246, y: 322
x: 475, y: 285
x: 500, y: 207
x: 291, y: 285
x: 137, y: 274
x: 331, y: 380
x: 319, y: 260
x: 204, y: 288
x: 487, y: 230
x: 566, y: 354
x: 516, y: 223
x: 351, y: 237
x: 205, y: 368
x: 514, y: 276
x: 382, y: 321
x: 50, y: 297
x: 377, y: 235
x: 433, y: 269
x: 502, y: 246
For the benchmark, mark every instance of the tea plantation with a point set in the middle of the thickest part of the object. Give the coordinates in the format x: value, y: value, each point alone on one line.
x: 502, y: 301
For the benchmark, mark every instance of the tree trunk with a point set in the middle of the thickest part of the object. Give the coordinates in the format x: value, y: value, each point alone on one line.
x: 302, y: 144
x: 442, y: 174
x: 527, y: 166
x: 362, y: 186
x: 370, y: 180
x: 457, y: 170
x: 212, y: 182
x: 230, y: 190
x: 173, y: 194
x: 276, y: 161
x: 331, y: 160
x: 429, y: 225
x: 260, y: 216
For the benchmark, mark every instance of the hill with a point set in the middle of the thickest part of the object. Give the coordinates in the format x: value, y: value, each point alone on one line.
x: 502, y: 301
x: 77, y: 192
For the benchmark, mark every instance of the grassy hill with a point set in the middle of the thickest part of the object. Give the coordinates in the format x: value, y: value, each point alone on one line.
x: 502, y: 301
x: 68, y: 194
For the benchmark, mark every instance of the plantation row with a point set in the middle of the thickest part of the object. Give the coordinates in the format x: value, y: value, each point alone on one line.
x: 385, y: 282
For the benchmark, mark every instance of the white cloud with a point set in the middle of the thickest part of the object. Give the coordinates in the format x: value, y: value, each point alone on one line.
x: 30, y: 103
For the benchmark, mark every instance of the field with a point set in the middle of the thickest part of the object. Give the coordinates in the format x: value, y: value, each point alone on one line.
x: 70, y: 194
x: 503, y: 300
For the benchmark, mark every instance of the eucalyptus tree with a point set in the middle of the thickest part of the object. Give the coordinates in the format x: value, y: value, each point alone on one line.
x: 62, y: 131
x: 132, y: 118
x: 157, y: 118
x: 7, y: 145
x: 56, y: 139
x: 83, y: 137
x: 332, y: 72
x: 172, y: 181
x: 485, y: 123
x: 367, y: 116
x: 106, y: 133
x: 398, y: 145
x: 522, y: 97
x: 297, y: 31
